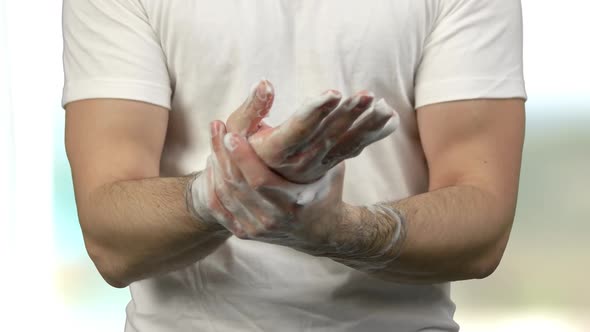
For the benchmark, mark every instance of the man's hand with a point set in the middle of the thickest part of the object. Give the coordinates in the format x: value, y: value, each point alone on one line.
x: 321, y: 133
x: 255, y: 203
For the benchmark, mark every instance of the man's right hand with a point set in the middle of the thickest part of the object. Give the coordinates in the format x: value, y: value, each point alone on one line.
x: 319, y: 135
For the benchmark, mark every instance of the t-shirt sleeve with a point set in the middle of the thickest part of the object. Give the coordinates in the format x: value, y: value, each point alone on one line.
x: 474, y: 51
x: 111, y: 51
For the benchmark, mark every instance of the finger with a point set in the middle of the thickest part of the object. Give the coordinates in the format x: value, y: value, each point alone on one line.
x: 279, y: 192
x: 376, y: 118
x: 247, y: 118
x: 355, y: 149
x: 229, y: 184
x: 221, y: 159
x: 258, y: 223
x: 339, y: 121
x: 304, y: 167
x: 216, y: 171
x: 245, y: 205
x: 253, y: 169
x: 248, y: 224
x: 257, y: 216
x: 215, y: 208
x: 306, y: 120
x: 375, y: 126
x: 284, y: 195
x: 250, y: 210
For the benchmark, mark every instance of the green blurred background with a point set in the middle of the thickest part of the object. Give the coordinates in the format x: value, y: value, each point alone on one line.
x: 542, y: 284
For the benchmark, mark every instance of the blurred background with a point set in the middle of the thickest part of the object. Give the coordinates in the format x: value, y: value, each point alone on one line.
x: 47, y: 280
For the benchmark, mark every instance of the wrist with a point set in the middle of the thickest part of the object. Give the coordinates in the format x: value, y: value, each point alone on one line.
x: 196, y: 203
x: 391, y: 227
x: 351, y: 231
x: 374, y: 234
x: 370, y: 237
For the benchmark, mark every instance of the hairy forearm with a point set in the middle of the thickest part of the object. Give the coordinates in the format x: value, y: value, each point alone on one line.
x: 453, y: 233
x: 137, y: 229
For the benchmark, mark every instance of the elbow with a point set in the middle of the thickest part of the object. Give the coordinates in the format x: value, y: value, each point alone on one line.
x: 113, y: 281
x: 487, y: 263
x: 484, y: 267
x: 491, y: 250
x: 109, y: 266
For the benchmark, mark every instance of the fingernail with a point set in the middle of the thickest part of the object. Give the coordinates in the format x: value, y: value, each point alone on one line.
x: 230, y: 142
x: 263, y: 90
x: 258, y: 91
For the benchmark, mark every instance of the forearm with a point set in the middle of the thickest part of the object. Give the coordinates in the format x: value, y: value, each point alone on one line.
x: 136, y: 229
x: 453, y: 233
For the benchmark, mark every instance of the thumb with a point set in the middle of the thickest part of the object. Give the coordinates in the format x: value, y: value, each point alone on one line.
x: 246, y: 120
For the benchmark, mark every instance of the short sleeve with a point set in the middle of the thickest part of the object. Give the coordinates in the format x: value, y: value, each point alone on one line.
x: 111, y: 51
x: 474, y: 51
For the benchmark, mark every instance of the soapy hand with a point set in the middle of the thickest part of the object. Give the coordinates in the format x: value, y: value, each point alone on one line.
x: 323, y: 132
x: 240, y: 192
x: 253, y: 202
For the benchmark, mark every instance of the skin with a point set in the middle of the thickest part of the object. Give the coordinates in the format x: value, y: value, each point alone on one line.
x: 135, y: 223
x: 458, y: 230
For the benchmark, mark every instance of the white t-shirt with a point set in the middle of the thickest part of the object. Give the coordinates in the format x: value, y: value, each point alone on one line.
x: 199, y: 58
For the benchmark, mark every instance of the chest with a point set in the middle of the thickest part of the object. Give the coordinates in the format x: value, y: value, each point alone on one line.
x: 381, y: 37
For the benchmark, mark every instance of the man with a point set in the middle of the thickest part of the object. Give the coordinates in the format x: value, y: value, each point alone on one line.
x: 274, y: 233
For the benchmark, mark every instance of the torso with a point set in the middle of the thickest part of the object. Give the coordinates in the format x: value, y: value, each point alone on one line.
x: 215, y: 51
